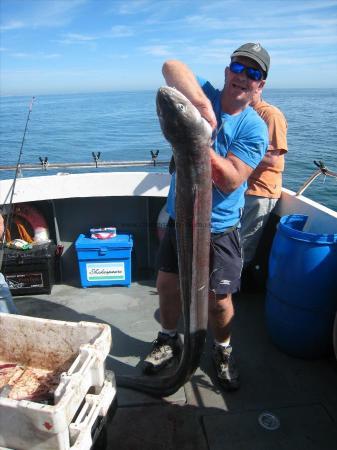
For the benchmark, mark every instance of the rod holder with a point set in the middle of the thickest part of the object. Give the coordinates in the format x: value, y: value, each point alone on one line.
x: 96, y: 157
x: 44, y: 162
x: 154, y: 156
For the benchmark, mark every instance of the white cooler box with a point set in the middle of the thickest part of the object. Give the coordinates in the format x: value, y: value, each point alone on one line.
x: 84, y: 394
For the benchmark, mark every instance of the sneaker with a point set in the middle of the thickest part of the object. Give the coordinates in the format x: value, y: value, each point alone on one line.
x: 165, y: 351
x: 227, y: 372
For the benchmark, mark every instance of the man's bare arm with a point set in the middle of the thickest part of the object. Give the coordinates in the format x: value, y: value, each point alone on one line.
x: 178, y: 75
x: 271, y: 159
x: 230, y: 172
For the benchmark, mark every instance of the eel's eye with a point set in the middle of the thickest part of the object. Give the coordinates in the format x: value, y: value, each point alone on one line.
x: 181, y: 107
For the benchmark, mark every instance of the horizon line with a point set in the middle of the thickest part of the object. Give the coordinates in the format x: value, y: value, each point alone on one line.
x: 149, y: 90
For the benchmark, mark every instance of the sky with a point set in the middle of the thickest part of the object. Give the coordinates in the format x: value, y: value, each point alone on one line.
x: 74, y: 46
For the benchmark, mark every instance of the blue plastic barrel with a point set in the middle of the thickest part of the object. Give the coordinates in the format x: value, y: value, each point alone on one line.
x: 301, y: 301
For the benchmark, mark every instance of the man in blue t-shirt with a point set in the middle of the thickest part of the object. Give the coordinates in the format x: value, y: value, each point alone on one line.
x: 241, y: 140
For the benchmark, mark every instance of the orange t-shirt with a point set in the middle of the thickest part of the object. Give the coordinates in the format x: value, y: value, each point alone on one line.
x: 266, y: 181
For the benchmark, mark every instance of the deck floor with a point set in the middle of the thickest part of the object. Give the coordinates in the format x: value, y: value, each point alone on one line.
x: 302, y: 394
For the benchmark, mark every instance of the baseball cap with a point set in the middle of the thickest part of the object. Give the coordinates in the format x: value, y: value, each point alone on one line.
x: 255, y: 52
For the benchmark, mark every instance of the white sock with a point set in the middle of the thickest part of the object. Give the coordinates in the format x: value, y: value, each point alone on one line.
x: 171, y: 333
x: 225, y: 343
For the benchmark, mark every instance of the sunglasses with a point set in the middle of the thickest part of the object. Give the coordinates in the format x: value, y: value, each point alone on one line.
x: 252, y: 74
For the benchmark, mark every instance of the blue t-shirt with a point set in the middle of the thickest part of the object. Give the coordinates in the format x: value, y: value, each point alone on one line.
x: 246, y: 136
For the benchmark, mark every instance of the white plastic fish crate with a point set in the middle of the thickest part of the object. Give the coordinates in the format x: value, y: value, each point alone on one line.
x: 84, y: 392
x: 79, y: 434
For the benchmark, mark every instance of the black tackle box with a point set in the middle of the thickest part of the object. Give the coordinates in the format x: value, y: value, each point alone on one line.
x: 30, y: 271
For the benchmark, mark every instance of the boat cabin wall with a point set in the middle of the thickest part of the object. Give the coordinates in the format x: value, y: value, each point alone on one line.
x: 68, y: 218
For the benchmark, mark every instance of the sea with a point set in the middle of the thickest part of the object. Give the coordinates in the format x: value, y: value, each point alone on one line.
x: 124, y: 126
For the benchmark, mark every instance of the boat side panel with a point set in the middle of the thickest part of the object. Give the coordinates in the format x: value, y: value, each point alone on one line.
x: 320, y: 218
x: 86, y: 185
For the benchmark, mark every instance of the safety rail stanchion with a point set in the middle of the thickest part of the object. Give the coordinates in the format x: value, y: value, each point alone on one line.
x: 322, y: 170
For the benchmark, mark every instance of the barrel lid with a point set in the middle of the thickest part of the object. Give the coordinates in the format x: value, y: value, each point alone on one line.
x: 293, y: 224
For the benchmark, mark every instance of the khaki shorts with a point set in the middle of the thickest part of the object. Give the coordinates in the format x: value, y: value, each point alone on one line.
x: 254, y: 219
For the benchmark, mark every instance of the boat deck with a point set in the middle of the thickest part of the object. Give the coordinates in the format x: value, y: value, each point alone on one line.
x: 302, y: 394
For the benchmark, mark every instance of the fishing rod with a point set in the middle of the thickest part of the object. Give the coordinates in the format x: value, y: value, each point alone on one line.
x: 8, y: 220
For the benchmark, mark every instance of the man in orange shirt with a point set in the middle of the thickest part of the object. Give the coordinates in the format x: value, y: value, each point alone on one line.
x: 265, y: 183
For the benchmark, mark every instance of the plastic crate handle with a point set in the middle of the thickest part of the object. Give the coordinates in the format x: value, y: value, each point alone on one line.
x: 94, y: 406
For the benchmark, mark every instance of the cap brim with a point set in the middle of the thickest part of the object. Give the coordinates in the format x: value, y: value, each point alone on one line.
x: 254, y: 58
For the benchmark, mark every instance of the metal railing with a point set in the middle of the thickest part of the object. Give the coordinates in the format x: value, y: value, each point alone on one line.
x: 97, y: 163
x: 322, y: 170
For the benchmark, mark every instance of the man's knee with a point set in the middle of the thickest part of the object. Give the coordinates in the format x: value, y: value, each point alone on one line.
x: 167, y: 283
x: 218, y: 303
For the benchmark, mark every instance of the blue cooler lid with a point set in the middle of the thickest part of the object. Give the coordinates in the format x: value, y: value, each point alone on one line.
x: 119, y: 241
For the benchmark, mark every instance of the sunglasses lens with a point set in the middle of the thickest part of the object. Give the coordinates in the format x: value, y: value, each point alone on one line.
x: 236, y: 67
x: 253, y: 74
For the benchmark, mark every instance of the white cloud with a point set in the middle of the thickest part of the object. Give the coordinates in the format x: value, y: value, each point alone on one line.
x: 319, y: 22
x: 156, y: 50
x: 56, y: 13
x: 114, y: 56
x: 205, y: 22
x: 35, y: 56
x: 269, y: 7
x: 132, y: 6
x: 203, y: 34
x: 118, y: 31
x: 42, y: 13
x: 302, y: 7
x: 75, y: 38
x: 299, y: 38
x: 240, y: 16
x: 12, y: 25
x: 81, y: 37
